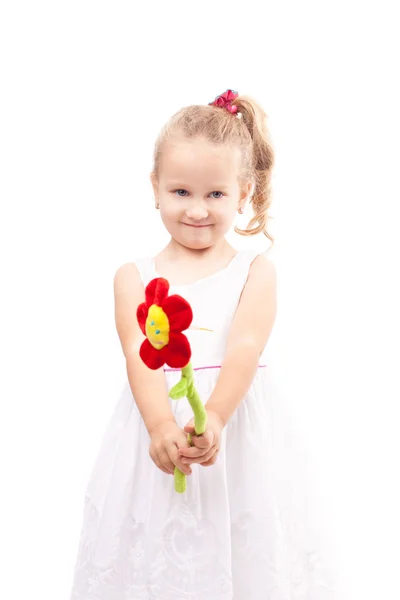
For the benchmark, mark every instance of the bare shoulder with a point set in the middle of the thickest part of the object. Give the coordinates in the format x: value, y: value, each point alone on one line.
x: 128, y: 294
x: 257, y: 309
x: 262, y: 270
x: 126, y: 276
x: 261, y: 284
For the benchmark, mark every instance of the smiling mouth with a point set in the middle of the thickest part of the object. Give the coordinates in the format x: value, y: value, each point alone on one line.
x: 197, y: 226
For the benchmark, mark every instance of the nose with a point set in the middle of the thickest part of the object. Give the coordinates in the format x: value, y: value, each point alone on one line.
x: 197, y: 211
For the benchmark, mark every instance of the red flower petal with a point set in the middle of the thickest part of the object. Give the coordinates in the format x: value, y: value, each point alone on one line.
x: 177, y: 353
x: 156, y: 291
x: 151, y: 357
x: 141, y: 314
x: 179, y: 313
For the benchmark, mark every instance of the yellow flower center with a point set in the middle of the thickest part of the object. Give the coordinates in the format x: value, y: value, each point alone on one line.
x: 157, y: 327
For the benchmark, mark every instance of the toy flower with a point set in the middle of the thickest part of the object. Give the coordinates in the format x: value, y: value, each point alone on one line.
x: 225, y: 101
x: 162, y: 319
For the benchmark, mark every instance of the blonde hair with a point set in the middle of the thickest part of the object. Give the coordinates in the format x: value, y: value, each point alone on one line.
x: 249, y: 133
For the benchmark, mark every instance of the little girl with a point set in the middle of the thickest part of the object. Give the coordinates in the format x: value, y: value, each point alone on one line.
x: 230, y: 535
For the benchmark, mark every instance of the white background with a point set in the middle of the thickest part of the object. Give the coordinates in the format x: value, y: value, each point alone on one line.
x: 86, y: 86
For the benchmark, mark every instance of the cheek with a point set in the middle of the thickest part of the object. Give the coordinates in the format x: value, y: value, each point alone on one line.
x: 170, y: 212
x: 226, y: 215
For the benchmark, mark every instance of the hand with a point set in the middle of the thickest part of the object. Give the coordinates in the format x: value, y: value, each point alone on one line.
x: 206, y: 446
x: 165, y: 439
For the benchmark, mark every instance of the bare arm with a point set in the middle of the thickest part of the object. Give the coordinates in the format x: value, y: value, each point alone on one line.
x: 149, y: 388
x: 249, y: 333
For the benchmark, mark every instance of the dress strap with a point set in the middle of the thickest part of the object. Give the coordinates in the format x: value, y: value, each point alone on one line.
x: 145, y: 267
x: 240, y: 272
x: 246, y: 259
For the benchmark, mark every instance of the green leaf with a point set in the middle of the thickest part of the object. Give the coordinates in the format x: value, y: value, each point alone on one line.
x: 179, y: 390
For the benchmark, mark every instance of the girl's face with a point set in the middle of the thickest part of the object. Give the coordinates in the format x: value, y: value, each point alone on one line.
x: 198, y: 191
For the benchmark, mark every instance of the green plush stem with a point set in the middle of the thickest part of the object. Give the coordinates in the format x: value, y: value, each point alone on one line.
x: 185, y: 387
x: 200, y: 414
x: 180, y: 481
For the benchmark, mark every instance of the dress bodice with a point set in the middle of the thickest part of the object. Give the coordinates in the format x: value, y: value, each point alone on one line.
x: 214, y: 300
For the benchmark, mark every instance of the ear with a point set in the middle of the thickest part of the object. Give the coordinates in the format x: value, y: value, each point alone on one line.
x: 245, y: 193
x: 154, y: 184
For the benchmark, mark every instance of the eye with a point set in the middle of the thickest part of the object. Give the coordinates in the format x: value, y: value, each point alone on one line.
x: 182, y: 196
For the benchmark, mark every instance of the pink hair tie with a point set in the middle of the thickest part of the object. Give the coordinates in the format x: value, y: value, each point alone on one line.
x: 225, y: 101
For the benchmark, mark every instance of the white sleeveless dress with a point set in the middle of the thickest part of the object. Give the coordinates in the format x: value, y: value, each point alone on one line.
x: 238, y: 532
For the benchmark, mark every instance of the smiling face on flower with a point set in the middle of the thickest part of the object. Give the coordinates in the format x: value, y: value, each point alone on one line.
x: 157, y: 327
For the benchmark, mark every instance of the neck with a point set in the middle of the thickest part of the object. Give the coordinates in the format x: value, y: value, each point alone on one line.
x: 176, y: 251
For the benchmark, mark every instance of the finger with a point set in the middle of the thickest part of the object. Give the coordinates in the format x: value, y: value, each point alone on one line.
x: 189, y: 429
x: 184, y: 445
x: 205, y: 458
x: 206, y: 440
x: 166, y: 461
x: 189, y: 425
x: 157, y: 462
x: 192, y: 452
x: 210, y: 462
x: 177, y: 461
x: 199, y: 459
x: 203, y: 444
